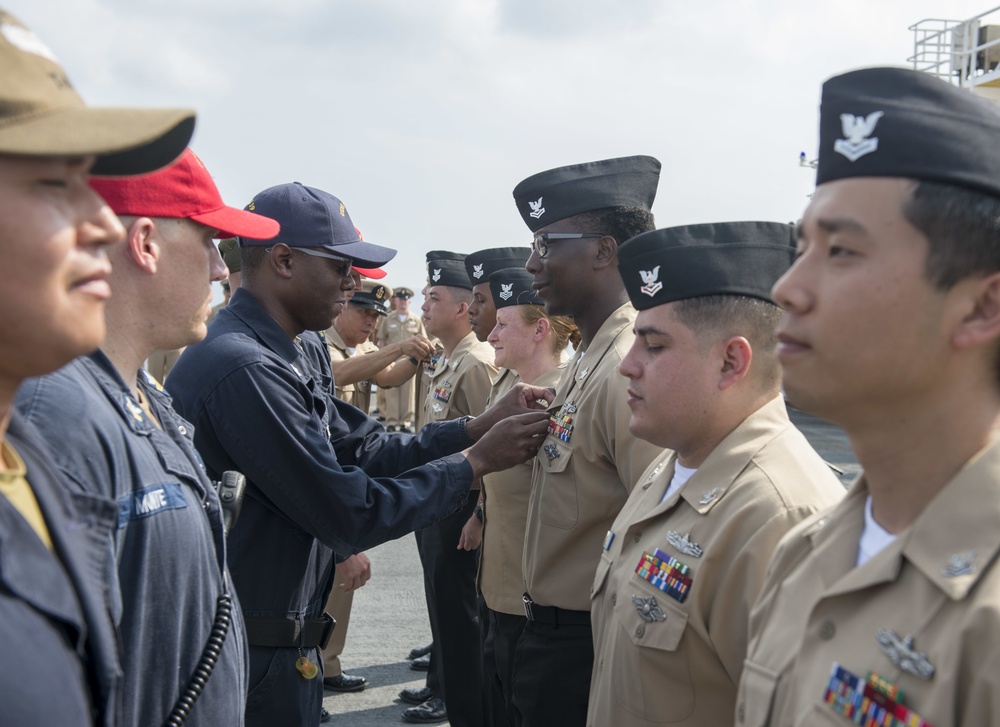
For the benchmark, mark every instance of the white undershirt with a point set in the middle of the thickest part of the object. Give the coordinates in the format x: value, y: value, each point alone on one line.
x: 681, y: 475
x: 402, y: 317
x: 874, y: 538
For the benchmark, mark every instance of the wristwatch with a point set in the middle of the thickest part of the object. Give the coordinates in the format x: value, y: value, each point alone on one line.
x: 478, y: 512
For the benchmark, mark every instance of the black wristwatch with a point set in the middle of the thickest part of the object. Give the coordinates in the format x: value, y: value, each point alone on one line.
x: 478, y: 512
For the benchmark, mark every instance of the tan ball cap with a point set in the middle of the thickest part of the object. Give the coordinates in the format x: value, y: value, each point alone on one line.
x: 42, y: 115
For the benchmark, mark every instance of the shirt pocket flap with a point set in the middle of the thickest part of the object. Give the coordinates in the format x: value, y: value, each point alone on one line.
x: 756, y: 693
x: 663, y: 624
x: 554, y: 455
x: 601, y: 576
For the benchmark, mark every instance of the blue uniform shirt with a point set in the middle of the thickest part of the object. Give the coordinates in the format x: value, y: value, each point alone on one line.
x: 58, y: 650
x: 322, y: 475
x: 168, y: 535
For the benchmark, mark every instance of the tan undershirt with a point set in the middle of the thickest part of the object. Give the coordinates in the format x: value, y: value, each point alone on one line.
x: 144, y: 403
x: 14, y: 486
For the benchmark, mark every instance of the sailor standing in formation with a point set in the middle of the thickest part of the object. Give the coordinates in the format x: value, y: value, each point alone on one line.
x: 685, y: 559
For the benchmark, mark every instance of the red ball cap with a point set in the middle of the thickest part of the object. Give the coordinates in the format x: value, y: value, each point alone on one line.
x: 182, y: 190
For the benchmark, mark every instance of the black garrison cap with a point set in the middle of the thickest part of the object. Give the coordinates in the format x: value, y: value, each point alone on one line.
x: 480, y: 265
x: 554, y: 195
x: 512, y: 286
x: 894, y: 122
x: 724, y: 258
x: 372, y: 296
x: 447, y: 268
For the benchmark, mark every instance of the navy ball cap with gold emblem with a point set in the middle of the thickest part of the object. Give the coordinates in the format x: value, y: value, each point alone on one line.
x: 512, y: 286
x: 447, y: 268
x: 373, y: 297
x: 556, y: 194
x: 895, y: 122
x: 311, y: 217
x: 483, y: 263
x: 693, y: 261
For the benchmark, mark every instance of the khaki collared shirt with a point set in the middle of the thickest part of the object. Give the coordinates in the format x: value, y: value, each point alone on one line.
x: 924, y: 613
x: 359, y: 394
x: 460, y: 385
x: 680, y: 666
x: 506, y: 494
x: 583, y: 472
x: 392, y: 330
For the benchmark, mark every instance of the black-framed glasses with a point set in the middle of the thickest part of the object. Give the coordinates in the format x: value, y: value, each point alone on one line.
x: 540, y: 244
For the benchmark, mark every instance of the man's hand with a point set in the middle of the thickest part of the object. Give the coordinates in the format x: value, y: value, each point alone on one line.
x: 354, y: 572
x: 522, y: 398
x: 512, y: 441
x: 418, y: 347
x: 472, y: 535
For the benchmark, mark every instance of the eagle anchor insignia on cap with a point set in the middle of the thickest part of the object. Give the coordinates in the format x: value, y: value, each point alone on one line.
x: 858, y: 130
x: 649, y: 277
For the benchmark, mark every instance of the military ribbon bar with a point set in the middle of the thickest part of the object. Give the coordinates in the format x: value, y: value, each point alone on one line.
x: 666, y: 573
x: 871, y: 702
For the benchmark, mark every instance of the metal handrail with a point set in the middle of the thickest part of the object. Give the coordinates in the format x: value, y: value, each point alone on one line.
x: 949, y: 49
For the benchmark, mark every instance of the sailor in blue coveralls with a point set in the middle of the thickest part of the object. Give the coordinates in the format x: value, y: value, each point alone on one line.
x: 322, y: 475
x: 58, y: 653
x: 120, y: 439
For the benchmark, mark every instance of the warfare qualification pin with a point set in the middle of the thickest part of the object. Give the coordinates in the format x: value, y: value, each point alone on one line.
x: 648, y: 609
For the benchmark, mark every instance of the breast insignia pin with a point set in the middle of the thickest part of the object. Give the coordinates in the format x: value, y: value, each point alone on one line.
x: 684, y: 544
x: 648, y: 609
x: 901, y: 653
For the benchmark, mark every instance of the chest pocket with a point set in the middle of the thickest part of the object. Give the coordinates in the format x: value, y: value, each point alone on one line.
x: 652, y: 675
x: 559, y: 505
x: 439, y: 400
x: 756, y: 695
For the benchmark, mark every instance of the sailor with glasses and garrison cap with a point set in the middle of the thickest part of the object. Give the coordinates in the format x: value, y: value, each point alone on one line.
x: 589, y: 461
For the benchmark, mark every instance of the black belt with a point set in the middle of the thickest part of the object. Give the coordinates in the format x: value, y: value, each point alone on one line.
x: 288, y: 633
x: 553, y: 615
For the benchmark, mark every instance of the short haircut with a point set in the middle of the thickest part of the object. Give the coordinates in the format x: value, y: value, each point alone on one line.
x: 458, y: 295
x: 622, y: 223
x: 252, y: 257
x: 714, y: 318
x: 962, y: 227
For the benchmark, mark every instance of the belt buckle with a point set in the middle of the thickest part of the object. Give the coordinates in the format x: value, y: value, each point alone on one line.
x: 527, y: 607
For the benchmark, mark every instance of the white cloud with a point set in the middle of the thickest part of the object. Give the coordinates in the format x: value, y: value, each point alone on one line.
x: 422, y: 116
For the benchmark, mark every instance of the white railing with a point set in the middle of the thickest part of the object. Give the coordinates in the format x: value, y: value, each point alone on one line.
x: 963, y: 52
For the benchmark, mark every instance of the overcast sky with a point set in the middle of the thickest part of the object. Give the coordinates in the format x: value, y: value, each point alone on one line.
x: 422, y: 115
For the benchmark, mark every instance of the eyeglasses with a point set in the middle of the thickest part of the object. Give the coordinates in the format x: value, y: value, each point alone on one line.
x: 315, y: 253
x: 541, y: 242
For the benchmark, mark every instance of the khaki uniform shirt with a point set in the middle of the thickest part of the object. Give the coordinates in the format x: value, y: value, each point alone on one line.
x: 671, y: 657
x: 583, y: 472
x: 506, y: 494
x: 359, y: 394
x: 923, y: 614
x: 392, y: 330
x: 460, y: 385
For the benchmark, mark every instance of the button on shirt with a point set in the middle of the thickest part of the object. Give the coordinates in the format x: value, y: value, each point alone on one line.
x: 923, y: 613
x: 168, y: 538
x: 321, y: 474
